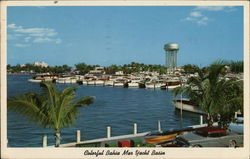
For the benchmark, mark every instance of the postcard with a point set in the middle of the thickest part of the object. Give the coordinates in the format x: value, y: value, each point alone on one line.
x: 124, y: 79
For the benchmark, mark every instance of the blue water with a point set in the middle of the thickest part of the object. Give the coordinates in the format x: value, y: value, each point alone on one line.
x: 114, y: 106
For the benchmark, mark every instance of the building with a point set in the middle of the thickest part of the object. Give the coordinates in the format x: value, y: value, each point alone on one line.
x: 119, y: 73
x: 41, y: 64
x: 97, y: 70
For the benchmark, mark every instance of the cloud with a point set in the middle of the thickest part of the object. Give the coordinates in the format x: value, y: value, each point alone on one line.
x: 37, y: 31
x: 216, y: 8
x: 195, y: 14
x: 21, y: 45
x: 35, y: 35
x: 197, y: 17
x: 13, y: 36
x: 33, y: 31
x: 13, y: 26
x: 203, y: 21
x: 27, y: 39
x: 44, y: 40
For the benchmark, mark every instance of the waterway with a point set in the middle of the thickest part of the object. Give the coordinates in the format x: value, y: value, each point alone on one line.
x: 117, y: 107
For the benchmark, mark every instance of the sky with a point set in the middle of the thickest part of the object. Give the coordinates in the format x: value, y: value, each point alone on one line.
x: 119, y: 35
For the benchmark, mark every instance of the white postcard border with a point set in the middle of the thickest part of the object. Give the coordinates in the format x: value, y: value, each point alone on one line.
x: 78, y: 152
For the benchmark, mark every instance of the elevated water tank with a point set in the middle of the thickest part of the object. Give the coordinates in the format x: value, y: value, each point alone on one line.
x: 171, y: 47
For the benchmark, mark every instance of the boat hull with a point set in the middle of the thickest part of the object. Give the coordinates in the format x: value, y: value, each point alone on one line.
x: 188, y: 107
x: 133, y: 84
x: 159, y: 139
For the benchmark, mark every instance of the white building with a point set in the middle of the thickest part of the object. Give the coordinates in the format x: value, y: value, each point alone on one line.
x: 42, y: 64
x: 97, y: 70
x: 119, y: 73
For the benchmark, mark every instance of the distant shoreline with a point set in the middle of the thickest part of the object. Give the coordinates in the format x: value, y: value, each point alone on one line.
x: 20, y: 73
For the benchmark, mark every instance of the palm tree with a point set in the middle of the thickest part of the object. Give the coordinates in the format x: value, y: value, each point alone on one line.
x: 51, y: 108
x: 194, y: 88
x: 215, y: 94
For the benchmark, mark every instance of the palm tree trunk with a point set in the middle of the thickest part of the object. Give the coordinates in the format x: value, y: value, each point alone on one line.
x: 57, y: 137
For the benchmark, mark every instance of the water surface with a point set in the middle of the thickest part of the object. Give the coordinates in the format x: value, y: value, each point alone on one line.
x: 117, y: 107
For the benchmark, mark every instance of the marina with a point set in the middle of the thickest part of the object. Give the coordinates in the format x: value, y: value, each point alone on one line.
x: 116, y: 107
x: 148, y: 80
x: 159, y: 105
x: 127, y: 80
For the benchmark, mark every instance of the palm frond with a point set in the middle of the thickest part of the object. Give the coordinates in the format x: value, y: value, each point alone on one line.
x: 52, y: 108
x: 84, y: 101
x: 30, y: 106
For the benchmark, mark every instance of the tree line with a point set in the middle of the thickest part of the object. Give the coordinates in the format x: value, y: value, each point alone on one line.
x: 233, y: 66
x: 29, y: 68
x: 83, y: 68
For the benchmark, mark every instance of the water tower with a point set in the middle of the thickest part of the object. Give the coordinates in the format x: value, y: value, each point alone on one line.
x: 171, y: 56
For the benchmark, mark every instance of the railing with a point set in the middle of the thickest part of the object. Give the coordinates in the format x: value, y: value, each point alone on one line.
x: 109, y: 137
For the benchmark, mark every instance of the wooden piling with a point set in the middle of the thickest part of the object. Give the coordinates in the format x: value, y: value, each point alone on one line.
x: 45, y: 141
x: 108, y: 132
x: 78, y: 136
x: 201, y: 119
x: 159, y: 125
x: 135, y: 128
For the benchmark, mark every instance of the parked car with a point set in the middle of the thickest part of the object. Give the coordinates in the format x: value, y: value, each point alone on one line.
x: 210, y: 137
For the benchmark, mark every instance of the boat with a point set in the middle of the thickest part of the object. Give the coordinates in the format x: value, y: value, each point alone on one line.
x: 160, y: 137
x: 44, y: 77
x: 109, y: 83
x: 172, y: 87
x: 141, y: 85
x: 91, y: 82
x: 119, y: 84
x: 133, y: 84
x: 99, y: 82
x: 35, y: 80
x: 84, y: 82
x: 187, y: 105
x: 66, y: 80
x: 173, y: 84
x: 154, y: 85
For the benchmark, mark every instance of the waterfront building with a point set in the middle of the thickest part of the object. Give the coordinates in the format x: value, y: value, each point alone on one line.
x: 42, y: 64
x: 97, y: 70
x: 119, y: 73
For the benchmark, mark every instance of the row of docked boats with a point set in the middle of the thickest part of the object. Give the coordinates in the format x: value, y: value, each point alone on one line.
x: 116, y: 81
